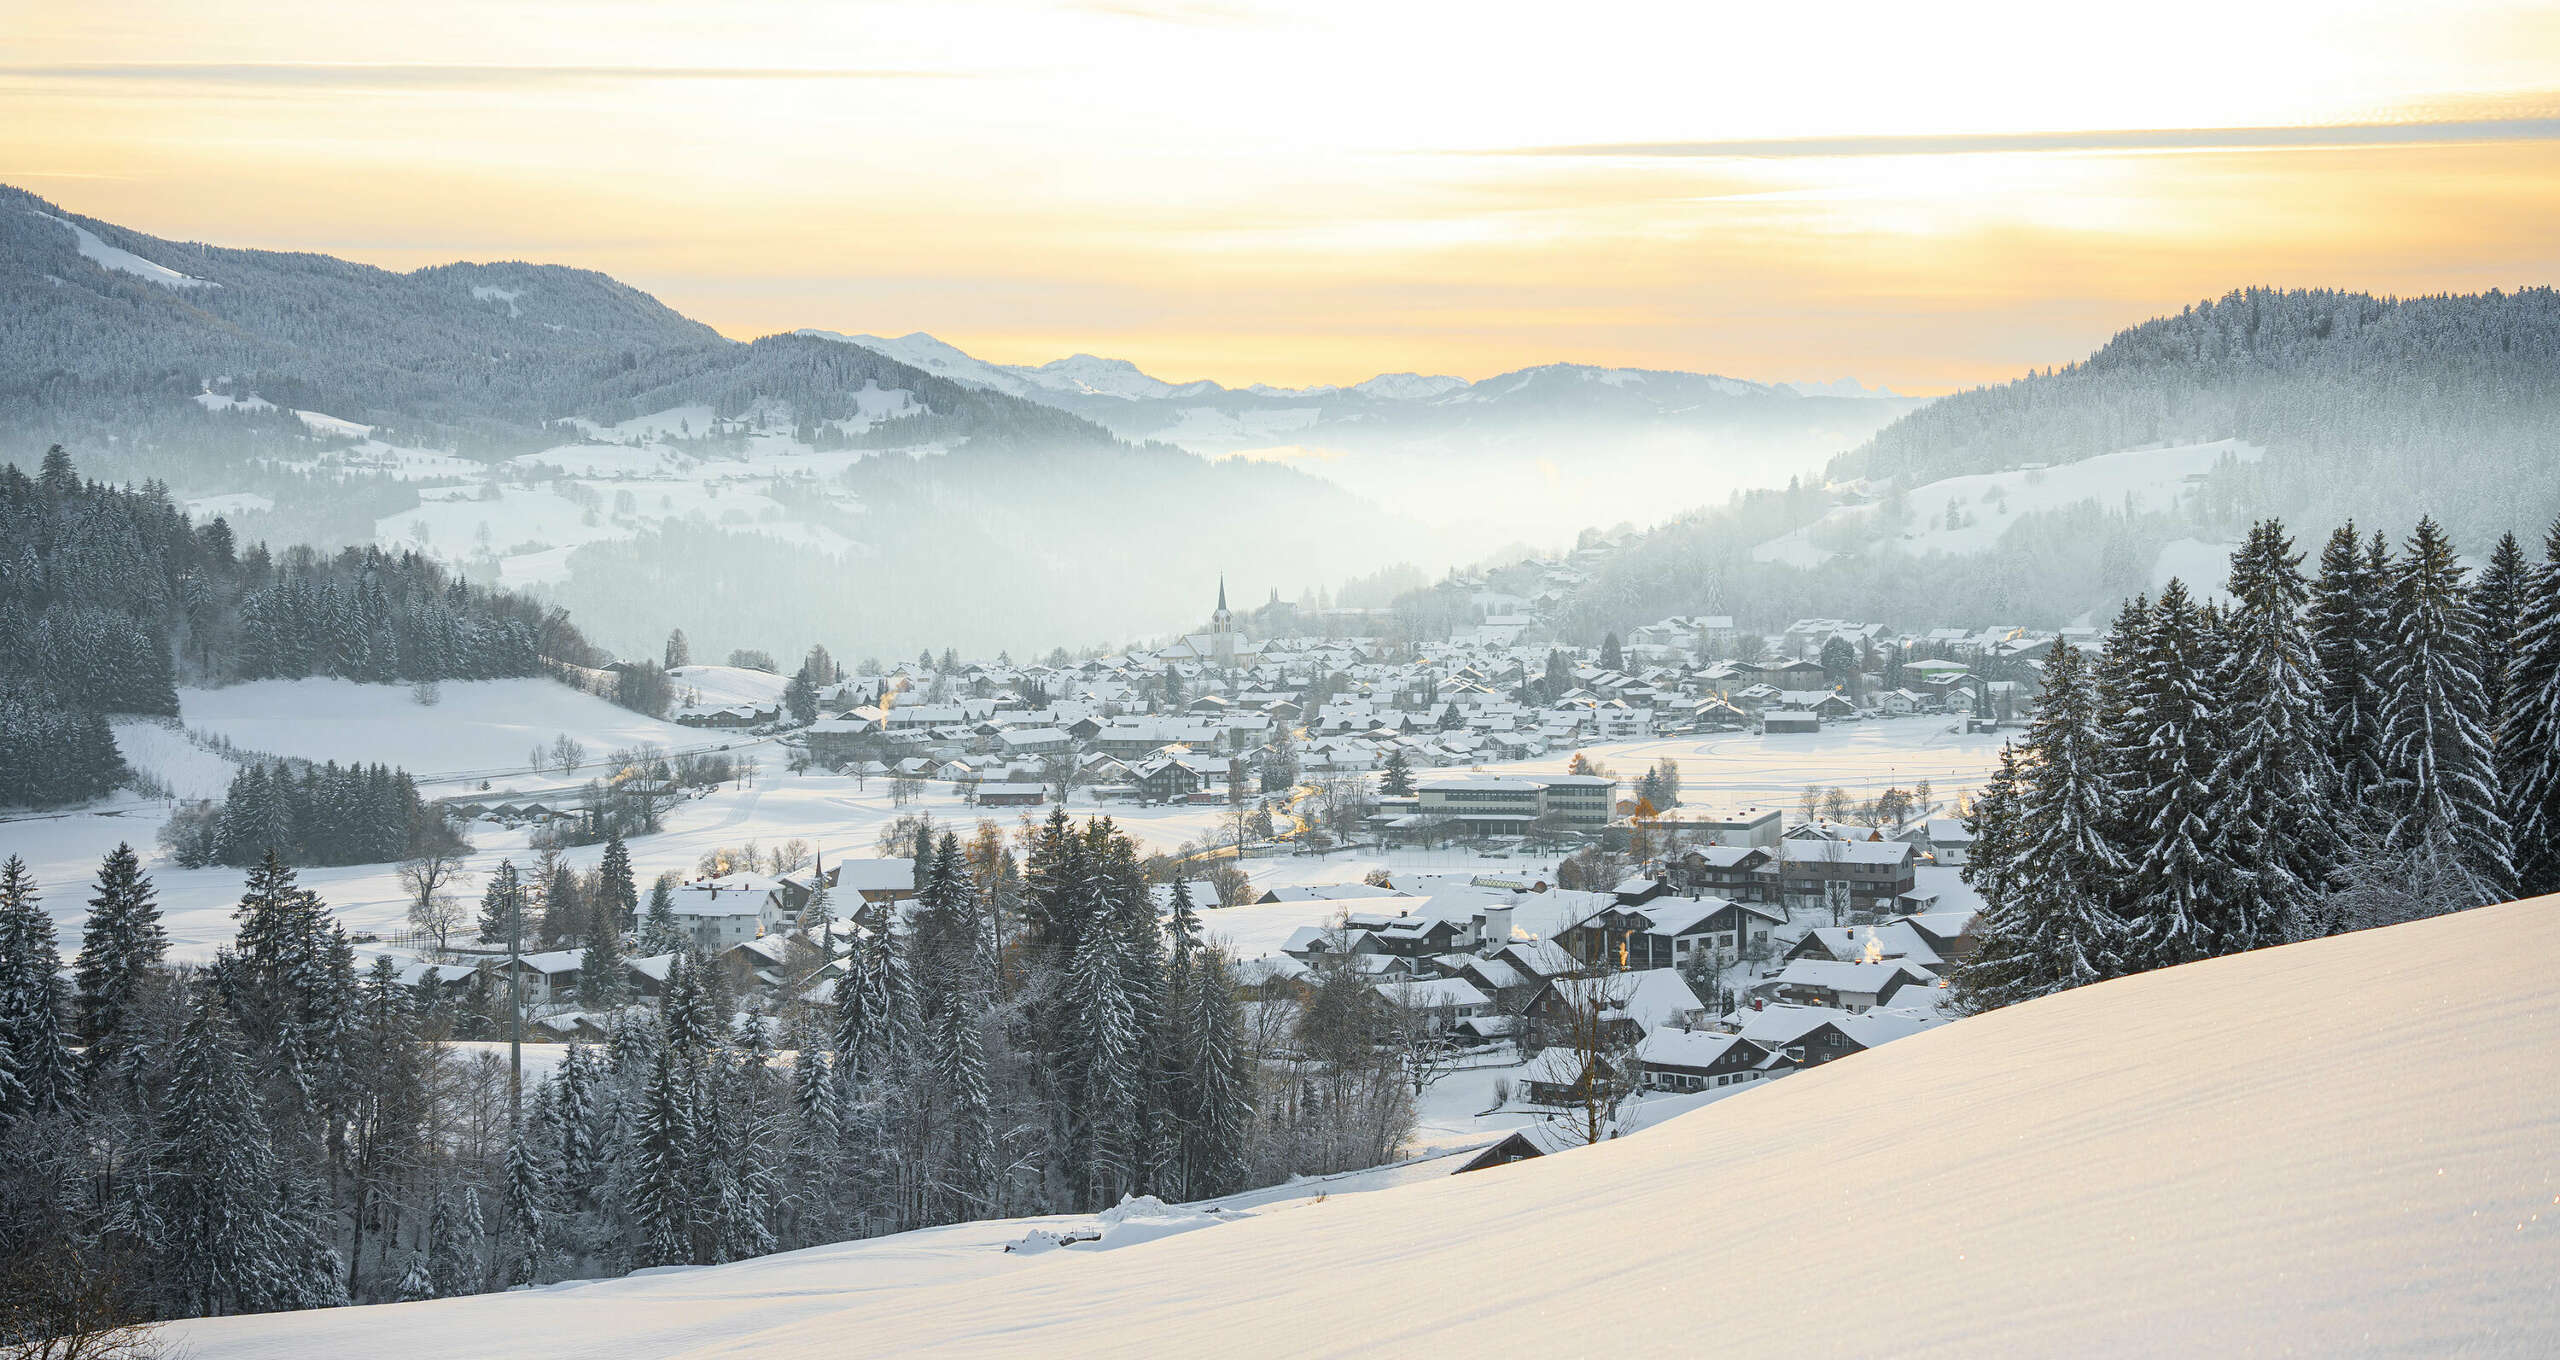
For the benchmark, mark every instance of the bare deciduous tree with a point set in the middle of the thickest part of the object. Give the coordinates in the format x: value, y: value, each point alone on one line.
x: 435, y: 911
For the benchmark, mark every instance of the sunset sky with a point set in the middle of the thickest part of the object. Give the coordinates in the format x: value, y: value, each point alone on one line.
x: 1922, y: 196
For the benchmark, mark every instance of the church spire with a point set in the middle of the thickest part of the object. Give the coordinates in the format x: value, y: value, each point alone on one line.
x: 1222, y: 592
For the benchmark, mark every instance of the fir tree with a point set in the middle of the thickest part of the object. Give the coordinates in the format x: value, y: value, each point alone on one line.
x: 617, y: 892
x: 1398, y: 780
x: 221, y: 1242
x: 2166, y: 750
x: 600, y: 982
x: 33, y: 1007
x: 502, y: 905
x: 2529, y: 740
x: 2440, y: 778
x: 1106, y: 1034
x: 2498, y: 605
x: 120, y: 945
x: 2278, y: 789
x: 528, y: 1211
x: 418, y: 1283
x: 662, y: 1202
x: 2346, y: 610
x: 2049, y: 923
x: 659, y: 933
x: 1992, y: 819
x: 460, y: 1252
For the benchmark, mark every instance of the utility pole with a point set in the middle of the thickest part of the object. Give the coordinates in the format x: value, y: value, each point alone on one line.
x: 515, y: 1008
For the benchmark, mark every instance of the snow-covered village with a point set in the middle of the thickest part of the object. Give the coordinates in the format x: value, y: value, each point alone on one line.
x: 651, y: 805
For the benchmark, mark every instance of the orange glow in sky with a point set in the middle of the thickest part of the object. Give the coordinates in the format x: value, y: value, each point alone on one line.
x: 1922, y: 196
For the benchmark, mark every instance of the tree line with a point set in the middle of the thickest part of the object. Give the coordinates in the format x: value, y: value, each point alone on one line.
x: 310, y: 814
x: 2376, y: 742
x: 116, y: 596
x: 284, y: 1128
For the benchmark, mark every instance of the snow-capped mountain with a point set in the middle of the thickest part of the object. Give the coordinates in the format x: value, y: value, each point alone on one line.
x: 1512, y: 454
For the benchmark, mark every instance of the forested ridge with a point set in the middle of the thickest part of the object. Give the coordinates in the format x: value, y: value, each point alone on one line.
x: 2367, y: 408
x: 114, y: 595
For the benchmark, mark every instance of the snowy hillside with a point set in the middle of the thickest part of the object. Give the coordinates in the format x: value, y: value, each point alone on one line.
x: 474, y: 725
x: 1962, y: 515
x: 2208, y: 1160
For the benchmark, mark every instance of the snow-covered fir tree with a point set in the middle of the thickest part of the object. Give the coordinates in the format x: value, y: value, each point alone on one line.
x: 2184, y: 897
x: 2050, y: 872
x: 34, y: 1009
x: 121, y: 946
x: 2439, y: 776
x: 2277, y: 804
x: 2529, y: 738
x: 2346, y: 614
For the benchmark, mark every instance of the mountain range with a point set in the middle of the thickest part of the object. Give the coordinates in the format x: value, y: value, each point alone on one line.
x: 1514, y: 454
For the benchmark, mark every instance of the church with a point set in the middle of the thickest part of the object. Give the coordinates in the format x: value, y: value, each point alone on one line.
x: 1222, y: 646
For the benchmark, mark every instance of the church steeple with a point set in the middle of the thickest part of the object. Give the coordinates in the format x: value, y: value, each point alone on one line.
x: 1222, y: 629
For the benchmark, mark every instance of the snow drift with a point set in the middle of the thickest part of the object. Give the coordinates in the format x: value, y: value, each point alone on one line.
x: 2338, y: 1147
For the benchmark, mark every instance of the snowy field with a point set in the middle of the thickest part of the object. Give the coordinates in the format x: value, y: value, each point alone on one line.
x: 1990, y: 502
x: 475, y: 725
x: 2210, y: 1160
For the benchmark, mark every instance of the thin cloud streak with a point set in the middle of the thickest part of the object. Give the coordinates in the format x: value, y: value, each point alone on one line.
x: 420, y: 75
x: 2119, y: 139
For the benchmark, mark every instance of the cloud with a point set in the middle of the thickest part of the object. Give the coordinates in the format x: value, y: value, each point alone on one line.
x: 429, y: 76
x: 2409, y: 133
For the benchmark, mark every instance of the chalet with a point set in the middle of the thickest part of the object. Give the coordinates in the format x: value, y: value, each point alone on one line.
x: 1408, y: 935
x: 1885, y: 942
x: 729, y: 716
x: 1565, y: 1076
x: 1698, y: 1060
x: 1631, y: 1005
x: 833, y: 739
x: 1009, y: 794
x: 1664, y: 931
x: 1037, y: 741
x: 1809, y: 1036
x: 1319, y: 945
x: 722, y: 910
x: 550, y: 978
x: 1443, y: 1002
x: 570, y: 1027
x: 1846, y: 876
x: 1744, y: 873
x: 1787, y: 722
x: 1946, y: 840
x: 1852, y: 987
x: 1519, y: 1145
x: 876, y: 879
x: 1164, y: 780
x: 1826, y: 703
x: 647, y: 975
x: 1272, y: 978
x: 1949, y: 934
x: 766, y: 963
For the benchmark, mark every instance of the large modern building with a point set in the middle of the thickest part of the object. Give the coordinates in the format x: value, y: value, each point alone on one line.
x: 1481, y: 805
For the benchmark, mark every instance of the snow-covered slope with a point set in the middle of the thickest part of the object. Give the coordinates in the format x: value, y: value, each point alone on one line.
x: 2221, y: 1159
x: 125, y: 261
x: 474, y: 725
x: 1984, y: 505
